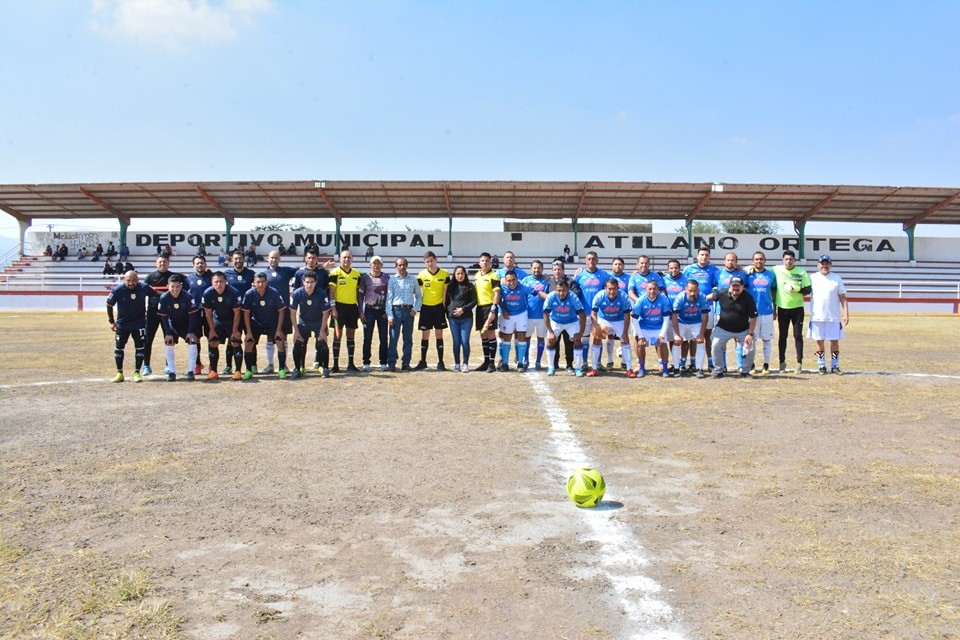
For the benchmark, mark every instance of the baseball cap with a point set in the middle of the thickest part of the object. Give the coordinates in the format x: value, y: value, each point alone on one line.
x: 376, y: 259
x: 736, y: 280
x: 825, y: 258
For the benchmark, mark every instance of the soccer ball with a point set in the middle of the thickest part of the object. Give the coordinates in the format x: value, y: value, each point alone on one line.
x: 586, y: 487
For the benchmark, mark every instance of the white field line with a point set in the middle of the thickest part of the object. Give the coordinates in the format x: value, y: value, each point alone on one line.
x: 621, y: 556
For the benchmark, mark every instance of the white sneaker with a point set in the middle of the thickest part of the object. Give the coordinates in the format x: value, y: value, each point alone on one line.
x: 366, y: 367
x: 383, y: 367
x: 267, y: 369
x: 464, y: 368
x: 456, y: 367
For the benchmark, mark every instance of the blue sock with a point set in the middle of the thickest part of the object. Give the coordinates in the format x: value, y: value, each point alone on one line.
x: 522, y: 352
x: 541, y: 343
x: 505, y: 352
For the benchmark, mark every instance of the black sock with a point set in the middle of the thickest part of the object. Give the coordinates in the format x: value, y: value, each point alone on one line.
x: 440, y: 349
x: 351, y: 349
x: 214, y: 354
x: 424, y: 345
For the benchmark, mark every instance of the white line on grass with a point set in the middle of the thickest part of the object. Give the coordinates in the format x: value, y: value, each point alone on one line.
x: 48, y: 383
x: 621, y: 555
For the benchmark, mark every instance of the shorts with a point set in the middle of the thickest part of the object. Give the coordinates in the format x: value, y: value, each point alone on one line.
x: 516, y: 323
x: 432, y: 316
x: 711, y: 320
x: 348, y: 316
x: 652, y: 336
x: 287, y: 323
x: 570, y: 328
x: 689, y: 332
x: 764, y: 330
x: 223, y: 333
x: 832, y: 330
x: 483, y: 310
x: 180, y: 333
x: 537, y: 327
x: 270, y: 332
x: 309, y: 332
x: 611, y: 329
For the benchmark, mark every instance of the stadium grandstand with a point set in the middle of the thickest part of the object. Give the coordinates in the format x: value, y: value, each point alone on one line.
x: 914, y: 278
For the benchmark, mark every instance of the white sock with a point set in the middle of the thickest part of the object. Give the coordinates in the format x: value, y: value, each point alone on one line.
x: 767, y: 345
x: 171, y: 359
x: 675, y: 352
x: 625, y: 355
x: 271, y: 347
x: 578, y: 357
x: 192, y: 350
x: 595, y: 352
x: 551, y: 353
x: 609, y: 350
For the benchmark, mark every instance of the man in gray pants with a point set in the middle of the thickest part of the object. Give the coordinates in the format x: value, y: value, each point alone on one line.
x: 736, y: 319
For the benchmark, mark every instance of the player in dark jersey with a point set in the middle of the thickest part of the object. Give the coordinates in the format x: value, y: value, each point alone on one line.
x: 309, y: 314
x: 179, y: 318
x: 263, y: 311
x: 278, y: 279
x: 221, y: 308
x: 311, y: 264
x: 158, y: 282
x: 198, y: 281
x: 130, y: 299
x: 239, y: 277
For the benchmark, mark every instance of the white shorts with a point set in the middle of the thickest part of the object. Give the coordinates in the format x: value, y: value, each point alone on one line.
x: 689, y: 331
x: 651, y: 335
x: 588, y: 325
x: 536, y: 328
x: 571, y: 328
x: 711, y: 320
x: 516, y: 323
x: 611, y: 329
x: 764, y: 330
x: 832, y: 330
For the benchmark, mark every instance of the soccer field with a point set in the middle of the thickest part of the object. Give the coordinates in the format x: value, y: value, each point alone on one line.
x: 432, y: 504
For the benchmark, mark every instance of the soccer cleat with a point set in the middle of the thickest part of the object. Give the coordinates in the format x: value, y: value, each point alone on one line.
x: 295, y: 374
x: 383, y: 367
x: 281, y: 373
x: 392, y: 368
x: 672, y: 371
x: 167, y: 371
x: 631, y: 373
x: 701, y: 374
x: 191, y: 376
x: 266, y: 370
x: 227, y: 371
x: 836, y: 370
x: 744, y: 373
x: 118, y: 377
x: 823, y: 371
x: 783, y: 367
x: 522, y: 368
x: 551, y: 371
x: 198, y: 369
x: 252, y: 370
x: 420, y: 366
x: 171, y: 377
x: 610, y: 366
x: 600, y: 367
x: 335, y: 369
x: 569, y: 367
x: 366, y: 368
x: 593, y: 373
x: 623, y: 366
x: 441, y: 366
x: 503, y: 367
x: 137, y: 377
x: 578, y: 372
x: 718, y: 373
x: 213, y: 375
x: 799, y: 368
x: 766, y: 370
x: 326, y: 372
x: 147, y: 370
x: 248, y: 374
x: 491, y: 368
x: 303, y: 371
x: 665, y: 373
x: 351, y: 368
x: 237, y: 375
x: 641, y: 372
x: 405, y: 367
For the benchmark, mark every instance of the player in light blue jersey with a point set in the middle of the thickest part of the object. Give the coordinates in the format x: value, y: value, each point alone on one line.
x: 563, y: 313
x: 731, y: 269
x: 652, y: 314
x: 513, y: 320
x: 510, y: 264
x: 762, y: 285
x: 611, y: 319
x: 706, y: 276
x: 617, y: 270
x: 637, y: 286
x: 538, y: 283
x: 675, y: 283
x: 690, y: 312
x: 591, y: 280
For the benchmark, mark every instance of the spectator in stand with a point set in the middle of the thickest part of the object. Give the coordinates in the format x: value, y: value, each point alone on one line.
x: 292, y: 250
x: 221, y: 257
x: 97, y: 253
x: 81, y: 253
x: 369, y: 254
x: 282, y: 250
x: 48, y: 251
x: 124, y: 252
x: 128, y: 266
x: 566, y: 253
x: 201, y: 250
x: 107, y: 268
x: 111, y: 250
x: 252, y: 255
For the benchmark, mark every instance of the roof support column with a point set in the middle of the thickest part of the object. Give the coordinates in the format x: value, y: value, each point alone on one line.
x: 336, y: 236
x: 800, y: 228
x: 124, y: 225
x: 911, y: 256
x: 689, y: 226
x: 576, y: 242
x: 24, y: 225
x: 229, y: 225
x: 450, y: 238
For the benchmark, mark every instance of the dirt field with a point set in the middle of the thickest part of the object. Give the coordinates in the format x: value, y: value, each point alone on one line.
x: 432, y: 505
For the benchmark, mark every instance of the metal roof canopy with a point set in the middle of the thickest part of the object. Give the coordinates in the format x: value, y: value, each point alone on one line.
x: 483, y: 199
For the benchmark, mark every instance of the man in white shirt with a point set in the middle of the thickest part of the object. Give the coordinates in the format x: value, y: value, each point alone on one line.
x: 829, y: 313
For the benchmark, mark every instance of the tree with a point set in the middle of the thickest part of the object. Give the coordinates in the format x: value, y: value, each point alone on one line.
x: 281, y: 227
x: 373, y: 225
x: 701, y: 228
x: 740, y: 227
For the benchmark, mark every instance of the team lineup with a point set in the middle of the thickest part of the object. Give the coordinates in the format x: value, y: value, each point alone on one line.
x: 686, y: 316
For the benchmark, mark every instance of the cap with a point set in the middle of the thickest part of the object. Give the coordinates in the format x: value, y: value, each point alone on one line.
x: 736, y: 280
x: 376, y: 259
x: 825, y: 258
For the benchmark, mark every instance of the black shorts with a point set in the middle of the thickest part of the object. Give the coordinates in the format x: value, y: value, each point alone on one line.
x: 223, y: 333
x: 432, y: 317
x: 270, y: 332
x: 348, y: 315
x: 287, y: 323
x: 483, y: 310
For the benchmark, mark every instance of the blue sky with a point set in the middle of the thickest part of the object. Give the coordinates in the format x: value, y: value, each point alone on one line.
x: 784, y: 92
